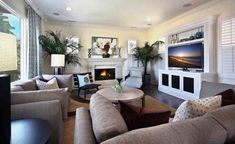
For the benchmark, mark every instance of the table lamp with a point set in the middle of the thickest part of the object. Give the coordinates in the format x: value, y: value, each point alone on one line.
x: 57, y: 62
x: 8, y: 62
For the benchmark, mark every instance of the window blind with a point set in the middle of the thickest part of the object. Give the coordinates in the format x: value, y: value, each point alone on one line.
x: 228, y: 31
x: 228, y: 45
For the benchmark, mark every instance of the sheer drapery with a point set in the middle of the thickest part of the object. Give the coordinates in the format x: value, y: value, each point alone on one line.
x: 35, y: 58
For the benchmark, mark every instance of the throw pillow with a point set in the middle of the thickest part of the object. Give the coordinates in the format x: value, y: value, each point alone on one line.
x: 40, y: 77
x: 136, y: 73
x: 227, y: 97
x: 138, y: 117
x: 83, y: 80
x: 51, y: 84
x: 28, y: 85
x: 195, y: 108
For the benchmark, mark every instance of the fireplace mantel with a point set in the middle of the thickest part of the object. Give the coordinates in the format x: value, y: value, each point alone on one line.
x: 104, y: 59
x: 94, y: 63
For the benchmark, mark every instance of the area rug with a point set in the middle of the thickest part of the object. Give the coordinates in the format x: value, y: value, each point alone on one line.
x: 150, y: 103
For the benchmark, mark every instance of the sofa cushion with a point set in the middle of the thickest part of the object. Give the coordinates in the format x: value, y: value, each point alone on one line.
x: 199, y: 130
x: 107, y: 121
x: 194, y: 108
x: 226, y: 117
x: 138, y: 117
x: 29, y: 85
x: 16, y: 88
x: 42, y: 95
x: 64, y: 81
x: 136, y: 73
x: 83, y: 133
x: 210, y: 89
x: 135, y: 82
x: 51, y: 84
x: 227, y: 97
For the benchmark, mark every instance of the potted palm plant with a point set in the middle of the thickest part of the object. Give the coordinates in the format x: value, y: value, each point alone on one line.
x: 54, y: 45
x: 145, y: 55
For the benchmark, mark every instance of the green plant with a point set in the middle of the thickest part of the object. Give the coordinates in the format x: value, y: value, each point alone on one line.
x: 5, y: 26
x: 147, y: 53
x: 118, y: 88
x: 52, y: 43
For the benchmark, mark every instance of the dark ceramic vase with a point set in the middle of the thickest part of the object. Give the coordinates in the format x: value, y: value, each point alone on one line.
x: 106, y: 55
x: 199, y: 35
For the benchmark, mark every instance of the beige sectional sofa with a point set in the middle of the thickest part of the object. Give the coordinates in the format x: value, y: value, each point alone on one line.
x: 104, y: 124
x: 50, y: 105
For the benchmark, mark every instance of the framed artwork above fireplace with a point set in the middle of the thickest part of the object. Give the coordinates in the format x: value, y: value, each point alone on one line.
x: 102, y: 44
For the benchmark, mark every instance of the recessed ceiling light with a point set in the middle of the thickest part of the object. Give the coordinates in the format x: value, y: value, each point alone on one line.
x: 187, y: 5
x: 148, y: 19
x: 149, y: 24
x: 55, y: 13
x: 68, y: 8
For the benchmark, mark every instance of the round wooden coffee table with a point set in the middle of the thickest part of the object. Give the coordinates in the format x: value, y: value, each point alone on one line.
x: 128, y: 94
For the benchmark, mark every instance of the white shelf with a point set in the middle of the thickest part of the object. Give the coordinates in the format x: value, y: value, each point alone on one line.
x: 187, y: 42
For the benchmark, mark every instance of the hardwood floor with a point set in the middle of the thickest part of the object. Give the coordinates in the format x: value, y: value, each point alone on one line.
x: 172, y: 101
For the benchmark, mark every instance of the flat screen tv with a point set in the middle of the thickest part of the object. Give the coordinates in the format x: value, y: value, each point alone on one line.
x: 186, y: 56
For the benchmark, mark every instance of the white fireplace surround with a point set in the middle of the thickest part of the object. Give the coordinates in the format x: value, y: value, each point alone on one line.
x: 98, y: 63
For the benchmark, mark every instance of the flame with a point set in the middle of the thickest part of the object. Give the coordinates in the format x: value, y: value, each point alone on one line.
x: 103, y: 73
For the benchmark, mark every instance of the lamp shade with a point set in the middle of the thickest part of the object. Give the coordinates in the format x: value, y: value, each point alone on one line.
x: 57, y: 60
x: 8, y: 52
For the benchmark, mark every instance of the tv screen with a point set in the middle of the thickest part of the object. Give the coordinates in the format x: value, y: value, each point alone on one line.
x: 186, y: 56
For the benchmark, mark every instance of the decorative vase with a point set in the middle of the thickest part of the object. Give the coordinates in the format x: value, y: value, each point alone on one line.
x: 147, y: 79
x: 106, y: 55
x: 199, y: 35
x: 113, y: 49
x: 89, y: 53
x: 119, y: 52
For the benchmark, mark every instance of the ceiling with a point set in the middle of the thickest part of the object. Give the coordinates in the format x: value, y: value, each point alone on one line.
x: 123, y: 13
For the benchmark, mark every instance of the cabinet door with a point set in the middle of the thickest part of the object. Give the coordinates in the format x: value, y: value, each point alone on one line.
x: 188, y: 84
x: 175, y: 81
x: 165, y: 79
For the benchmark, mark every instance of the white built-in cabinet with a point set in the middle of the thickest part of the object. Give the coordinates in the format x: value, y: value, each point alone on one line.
x: 182, y: 84
x: 187, y: 85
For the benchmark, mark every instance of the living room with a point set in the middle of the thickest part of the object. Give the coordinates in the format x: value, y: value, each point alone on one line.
x: 117, y: 72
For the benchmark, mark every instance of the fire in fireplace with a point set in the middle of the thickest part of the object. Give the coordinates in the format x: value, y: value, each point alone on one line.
x: 105, y: 74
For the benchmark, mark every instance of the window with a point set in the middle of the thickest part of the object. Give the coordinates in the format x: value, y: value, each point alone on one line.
x: 228, y: 31
x: 228, y: 45
x: 12, y: 42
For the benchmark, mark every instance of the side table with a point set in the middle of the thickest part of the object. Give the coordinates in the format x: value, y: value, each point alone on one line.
x: 30, y: 131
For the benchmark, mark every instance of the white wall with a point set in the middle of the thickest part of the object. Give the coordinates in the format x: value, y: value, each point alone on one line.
x: 220, y: 8
x: 85, y: 33
x: 214, y: 8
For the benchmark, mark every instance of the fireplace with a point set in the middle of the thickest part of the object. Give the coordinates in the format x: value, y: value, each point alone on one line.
x: 105, y: 74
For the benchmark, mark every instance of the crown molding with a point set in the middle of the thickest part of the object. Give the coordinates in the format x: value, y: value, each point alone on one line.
x: 35, y: 8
